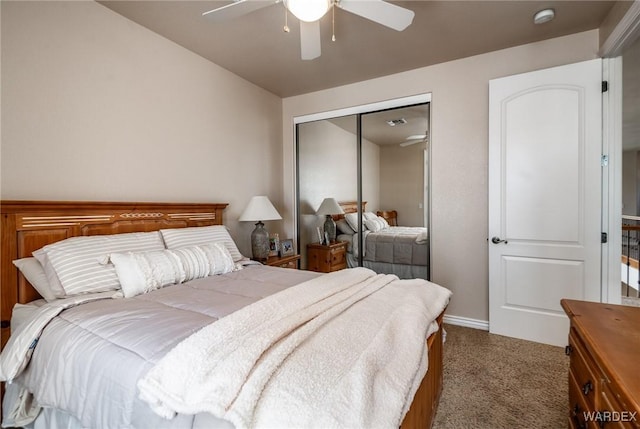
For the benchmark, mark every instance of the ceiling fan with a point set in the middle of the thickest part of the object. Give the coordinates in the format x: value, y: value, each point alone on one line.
x: 309, y: 13
x: 414, y: 139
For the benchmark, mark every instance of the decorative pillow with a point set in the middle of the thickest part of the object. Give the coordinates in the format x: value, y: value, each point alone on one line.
x: 384, y: 222
x: 373, y: 225
x: 369, y: 215
x: 146, y: 271
x: 220, y: 259
x: 33, y: 271
x: 194, y: 261
x: 352, y: 220
x: 184, y: 237
x: 77, y: 260
x: 344, y: 227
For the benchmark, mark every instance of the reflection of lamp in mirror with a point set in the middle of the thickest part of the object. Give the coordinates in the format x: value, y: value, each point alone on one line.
x: 259, y: 209
x: 329, y: 207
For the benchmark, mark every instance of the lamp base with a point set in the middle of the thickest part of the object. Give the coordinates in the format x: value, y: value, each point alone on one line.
x: 330, y: 229
x: 260, y: 242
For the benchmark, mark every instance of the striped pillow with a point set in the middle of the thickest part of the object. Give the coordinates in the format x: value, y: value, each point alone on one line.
x: 194, y: 236
x: 146, y: 271
x: 77, y: 260
x: 220, y: 260
x: 194, y: 261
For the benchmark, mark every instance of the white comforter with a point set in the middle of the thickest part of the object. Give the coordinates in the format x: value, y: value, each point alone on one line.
x: 90, y: 358
x: 365, y: 331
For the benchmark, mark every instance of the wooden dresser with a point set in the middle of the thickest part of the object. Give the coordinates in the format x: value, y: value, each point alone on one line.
x: 326, y: 259
x: 604, y: 373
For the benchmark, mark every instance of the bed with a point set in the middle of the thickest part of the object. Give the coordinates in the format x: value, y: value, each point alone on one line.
x: 399, y: 250
x: 124, y: 343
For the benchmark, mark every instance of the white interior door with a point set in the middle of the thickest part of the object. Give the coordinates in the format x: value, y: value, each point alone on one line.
x: 544, y: 198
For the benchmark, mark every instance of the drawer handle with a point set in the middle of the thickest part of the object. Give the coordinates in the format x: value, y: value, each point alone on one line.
x: 567, y: 350
x: 575, y: 414
x: 5, y: 324
x: 588, y: 387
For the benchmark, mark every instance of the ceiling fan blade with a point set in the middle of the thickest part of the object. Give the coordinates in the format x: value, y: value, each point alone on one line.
x: 236, y: 9
x: 379, y: 11
x: 410, y: 142
x: 310, y: 40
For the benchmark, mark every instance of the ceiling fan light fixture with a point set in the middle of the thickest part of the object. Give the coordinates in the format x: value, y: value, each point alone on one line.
x: 545, y: 15
x: 308, y: 10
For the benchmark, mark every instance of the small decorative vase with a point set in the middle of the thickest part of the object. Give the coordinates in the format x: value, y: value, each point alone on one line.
x: 330, y: 228
x: 260, y: 242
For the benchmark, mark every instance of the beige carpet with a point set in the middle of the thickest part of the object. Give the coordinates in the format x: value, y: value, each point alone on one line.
x: 496, y: 382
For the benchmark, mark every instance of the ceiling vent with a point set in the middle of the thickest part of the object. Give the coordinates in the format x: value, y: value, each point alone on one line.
x: 394, y: 122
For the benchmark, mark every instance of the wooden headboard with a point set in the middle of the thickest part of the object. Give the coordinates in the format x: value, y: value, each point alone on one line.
x: 28, y: 225
x: 349, y: 207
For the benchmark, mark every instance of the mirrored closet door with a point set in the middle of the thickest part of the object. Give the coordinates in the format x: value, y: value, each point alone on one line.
x: 375, y: 166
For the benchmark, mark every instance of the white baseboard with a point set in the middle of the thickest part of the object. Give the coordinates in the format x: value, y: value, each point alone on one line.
x: 467, y: 322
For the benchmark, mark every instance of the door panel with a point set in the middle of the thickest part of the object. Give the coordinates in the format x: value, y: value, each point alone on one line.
x: 544, y: 198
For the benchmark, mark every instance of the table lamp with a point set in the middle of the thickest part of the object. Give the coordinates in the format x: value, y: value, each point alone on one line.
x: 329, y: 207
x: 259, y: 209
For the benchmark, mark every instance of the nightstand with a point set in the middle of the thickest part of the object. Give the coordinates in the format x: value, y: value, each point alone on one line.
x: 325, y: 259
x: 290, y: 261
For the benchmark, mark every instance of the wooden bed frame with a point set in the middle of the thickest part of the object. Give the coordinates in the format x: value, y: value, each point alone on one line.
x: 28, y: 225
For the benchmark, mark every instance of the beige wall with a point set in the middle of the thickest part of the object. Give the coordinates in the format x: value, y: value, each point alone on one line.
x: 401, y: 182
x: 459, y: 145
x: 96, y: 107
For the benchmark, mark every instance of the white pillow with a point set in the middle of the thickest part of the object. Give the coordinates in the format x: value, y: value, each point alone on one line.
x: 369, y: 215
x: 33, y: 271
x: 344, y: 227
x: 77, y: 260
x: 377, y: 224
x: 54, y: 282
x: 352, y: 220
x: 184, y: 237
x: 194, y: 262
x: 384, y: 222
x: 146, y: 271
x: 220, y: 260
x: 373, y: 225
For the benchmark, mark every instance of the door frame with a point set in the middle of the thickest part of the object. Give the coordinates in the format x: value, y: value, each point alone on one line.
x: 623, y: 35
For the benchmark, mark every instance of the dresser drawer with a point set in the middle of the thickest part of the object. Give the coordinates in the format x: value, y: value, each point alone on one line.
x: 620, y: 416
x: 578, y: 408
x: 585, y: 372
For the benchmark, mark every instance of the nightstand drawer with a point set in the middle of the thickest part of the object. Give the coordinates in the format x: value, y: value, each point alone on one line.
x: 338, y: 258
x: 325, y: 259
x: 290, y: 261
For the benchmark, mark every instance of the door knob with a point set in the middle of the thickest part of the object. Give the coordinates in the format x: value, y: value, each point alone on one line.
x: 496, y: 240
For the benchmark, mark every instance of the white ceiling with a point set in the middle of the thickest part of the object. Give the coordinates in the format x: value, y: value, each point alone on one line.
x: 255, y: 47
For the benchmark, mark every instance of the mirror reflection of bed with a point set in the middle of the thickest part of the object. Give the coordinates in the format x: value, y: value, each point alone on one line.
x: 387, y: 167
x: 388, y: 249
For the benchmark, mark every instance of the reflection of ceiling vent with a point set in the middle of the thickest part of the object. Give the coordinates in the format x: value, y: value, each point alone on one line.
x: 394, y: 122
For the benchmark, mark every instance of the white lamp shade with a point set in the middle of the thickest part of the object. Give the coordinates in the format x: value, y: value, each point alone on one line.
x: 308, y: 10
x: 329, y: 206
x: 259, y: 208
